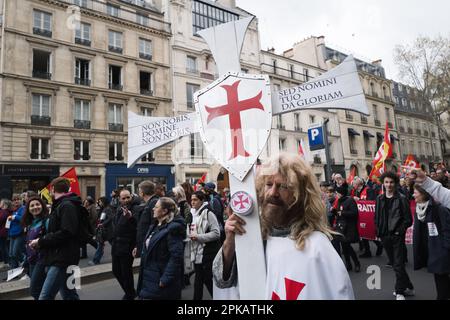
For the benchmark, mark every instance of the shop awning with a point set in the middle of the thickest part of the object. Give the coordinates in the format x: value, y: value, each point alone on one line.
x: 353, y: 132
x: 368, y: 134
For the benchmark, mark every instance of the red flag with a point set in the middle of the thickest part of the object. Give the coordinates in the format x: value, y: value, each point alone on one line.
x: 71, y: 174
x: 352, y: 175
x: 201, y: 180
x: 384, y: 152
x: 412, y: 162
x: 301, y: 149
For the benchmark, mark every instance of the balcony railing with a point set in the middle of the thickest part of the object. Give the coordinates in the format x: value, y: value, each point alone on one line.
x: 40, y: 120
x: 192, y: 71
x: 42, y: 75
x: 378, y: 123
x: 115, y: 49
x: 147, y: 92
x: 145, y: 56
x: 118, y: 127
x: 85, y: 157
x: 81, y: 124
x: 368, y: 153
x: 364, y: 120
x: 42, y: 156
x: 281, y: 127
x: 354, y: 151
x: 42, y: 32
x: 402, y: 129
x: 410, y: 130
x: 82, y: 81
x: 83, y: 42
x: 115, y: 86
x: 349, y: 117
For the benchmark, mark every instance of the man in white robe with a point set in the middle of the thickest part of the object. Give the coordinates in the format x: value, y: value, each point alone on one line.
x: 301, y: 261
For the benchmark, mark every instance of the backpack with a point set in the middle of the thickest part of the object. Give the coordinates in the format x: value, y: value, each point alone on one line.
x: 85, y: 232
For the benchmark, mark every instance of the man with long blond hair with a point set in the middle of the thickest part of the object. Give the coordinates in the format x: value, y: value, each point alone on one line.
x: 297, y: 238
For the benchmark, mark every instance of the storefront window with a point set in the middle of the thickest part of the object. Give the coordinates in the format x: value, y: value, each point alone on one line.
x: 131, y: 183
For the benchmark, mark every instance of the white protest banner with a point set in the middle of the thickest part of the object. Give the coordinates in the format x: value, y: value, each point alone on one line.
x: 339, y: 88
x: 148, y: 133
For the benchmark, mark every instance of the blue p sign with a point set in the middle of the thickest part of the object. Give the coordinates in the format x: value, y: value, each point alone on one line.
x: 315, y: 137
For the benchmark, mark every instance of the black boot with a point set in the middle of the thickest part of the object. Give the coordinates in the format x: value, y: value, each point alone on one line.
x: 348, y: 265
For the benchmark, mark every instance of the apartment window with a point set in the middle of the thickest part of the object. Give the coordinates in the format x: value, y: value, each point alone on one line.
x: 115, y: 41
x: 420, y: 147
x: 400, y: 88
x: 145, y: 49
x: 146, y: 111
x: 196, y: 146
x: 411, y: 147
x: 81, y: 150
x: 274, y: 63
x: 348, y: 115
x: 297, y: 121
x: 81, y: 3
x: 282, y: 144
x: 385, y: 94
x: 404, y: 102
x: 205, y: 16
x: 367, y: 145
x: 428, y: 150
x: 190, y: 90
x: 280, y: 122
x: 312, y: 119
x: 388, y: 117
x: 142, y: 19
x: 375, y: 115
x: 372, y: 89
x: 82, y: 74
x: 42, y: 24
x: 413, y: 105
x: 145, y: 83
x: 83, y: 34
x: 41, y: 64
x: 352, y: 145
x: 149, y: 157
x: 39, y: 148
x: 243, y: 70
x: 115, y: 117
x: 191, y: 64
x: 112, y: 10
x: 115, y: 77
x: 305, y: 75
x: 82, y: 116
x: 115, y: 151
x: 291, y: 70
x: 405, y: 146
x: 396, y: 100
x: 40, y: 111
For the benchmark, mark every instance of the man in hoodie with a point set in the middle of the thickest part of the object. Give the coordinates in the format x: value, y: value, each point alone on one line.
x: 60, y: 244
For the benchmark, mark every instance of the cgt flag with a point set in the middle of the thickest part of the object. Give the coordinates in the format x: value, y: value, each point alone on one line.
x: 384, y: 152
x: 71, y: 175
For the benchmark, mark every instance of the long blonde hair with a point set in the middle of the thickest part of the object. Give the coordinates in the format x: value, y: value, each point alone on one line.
x: 306, y: 192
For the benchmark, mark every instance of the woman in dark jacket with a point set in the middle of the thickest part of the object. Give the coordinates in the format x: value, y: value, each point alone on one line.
x: 431, y: 240
x: 347, y: 224
x: 34, y: 222
x: 162, y: 254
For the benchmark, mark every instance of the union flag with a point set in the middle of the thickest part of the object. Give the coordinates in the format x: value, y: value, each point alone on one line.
x: 384, y: 152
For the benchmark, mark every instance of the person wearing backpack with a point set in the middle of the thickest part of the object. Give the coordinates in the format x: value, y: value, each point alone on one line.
x: 215, y: 203
x: 61, y: 244
x: 104, y: 229
x: 204, y: 234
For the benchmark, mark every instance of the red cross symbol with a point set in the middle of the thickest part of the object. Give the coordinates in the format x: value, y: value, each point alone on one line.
x: 242, y: 199
x: 233, y: 109
x: 293, y: 290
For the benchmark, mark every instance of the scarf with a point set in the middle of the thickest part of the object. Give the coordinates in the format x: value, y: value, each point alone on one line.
x: 421, y: 209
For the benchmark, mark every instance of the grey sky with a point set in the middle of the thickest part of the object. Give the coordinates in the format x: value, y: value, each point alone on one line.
x: 369, y: 29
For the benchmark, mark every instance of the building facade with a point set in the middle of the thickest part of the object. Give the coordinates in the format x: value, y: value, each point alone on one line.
x: 70, y: 72
x: 361, y: 135
x: 418, y: 132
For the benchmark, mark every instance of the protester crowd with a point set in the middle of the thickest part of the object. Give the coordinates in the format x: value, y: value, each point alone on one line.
x: 178, y: 233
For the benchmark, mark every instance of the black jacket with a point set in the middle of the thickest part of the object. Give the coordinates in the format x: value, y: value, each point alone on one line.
x: 60, y: 244
x: 162, y: 261
x: 431, y: 251
x: 399, y: 217
x: 349, y: 217
x: 144, y: 221
x: 124, y: 234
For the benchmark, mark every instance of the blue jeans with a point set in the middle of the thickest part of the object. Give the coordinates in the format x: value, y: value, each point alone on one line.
x: 16, y: 249
x: 37, y: 278
x: 4, y: 255
x: 56, y: 280
x: 99, y: 252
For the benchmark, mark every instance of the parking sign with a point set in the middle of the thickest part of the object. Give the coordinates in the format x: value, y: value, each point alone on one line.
x: 315, y: 137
